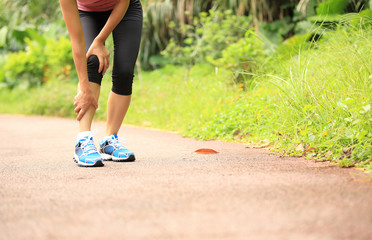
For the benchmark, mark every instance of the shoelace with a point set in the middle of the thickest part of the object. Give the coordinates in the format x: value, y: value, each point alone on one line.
x: 88, y: 144
x: 116, y: 143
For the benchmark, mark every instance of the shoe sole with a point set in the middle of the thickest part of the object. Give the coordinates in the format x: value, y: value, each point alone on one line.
x: 96, y: 164
x: 107, y: 157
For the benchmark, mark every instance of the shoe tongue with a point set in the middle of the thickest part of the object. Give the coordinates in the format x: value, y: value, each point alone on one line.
x: 115, y: 136
x: 83, y: 139
x: 87, y: 138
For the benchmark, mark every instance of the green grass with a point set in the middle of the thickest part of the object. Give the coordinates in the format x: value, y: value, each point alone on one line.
x: 315, y: 104
x: 326, y: 97
x: 52, y: 99
x: 166, y: 100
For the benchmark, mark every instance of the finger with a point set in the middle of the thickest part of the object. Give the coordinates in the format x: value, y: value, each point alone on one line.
x: 81, y: 114
x: 101, y: 64
x: 88, y: 54
x: 107, y: 62
x: 104, y: 66
x: 75, y: 104
x: 77, y: 109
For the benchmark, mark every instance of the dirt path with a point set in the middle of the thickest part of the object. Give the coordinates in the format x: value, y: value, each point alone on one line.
x: 170, y: 192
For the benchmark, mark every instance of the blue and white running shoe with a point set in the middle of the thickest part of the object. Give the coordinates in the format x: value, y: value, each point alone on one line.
x: 86, y: 154
x: 111, y: 149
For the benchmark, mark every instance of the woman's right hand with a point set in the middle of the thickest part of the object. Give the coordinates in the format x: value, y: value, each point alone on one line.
x: 98, y: 48
x: 83, y: 101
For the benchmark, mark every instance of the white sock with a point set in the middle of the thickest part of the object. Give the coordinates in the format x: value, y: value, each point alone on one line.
x: 82, y: 135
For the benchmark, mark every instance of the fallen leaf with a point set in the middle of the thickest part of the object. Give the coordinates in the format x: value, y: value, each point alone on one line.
x: 300, y: 147
x: 206, y: 151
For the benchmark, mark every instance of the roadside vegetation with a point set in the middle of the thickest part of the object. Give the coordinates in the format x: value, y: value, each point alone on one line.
x: 297, y: 80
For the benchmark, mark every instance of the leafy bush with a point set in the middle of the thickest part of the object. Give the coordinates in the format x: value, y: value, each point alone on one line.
x: 59, y: 59
x: 210, y: 34
x: 292, y: 47
x: 274, y: 33
x: 243, y: 56
x: 165, y: 19
x: 3, y: 60
x: 26, y: 68
x: 39, y: 62
x: 332, y: 7
x: 32, y: 12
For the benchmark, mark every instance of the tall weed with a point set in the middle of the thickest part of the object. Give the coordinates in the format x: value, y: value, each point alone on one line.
x: 326, y: 95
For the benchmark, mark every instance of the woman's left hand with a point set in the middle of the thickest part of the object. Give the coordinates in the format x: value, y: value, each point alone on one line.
x: 98, y: 48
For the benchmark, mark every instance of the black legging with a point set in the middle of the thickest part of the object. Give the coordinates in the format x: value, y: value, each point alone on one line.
x: 127, y: 38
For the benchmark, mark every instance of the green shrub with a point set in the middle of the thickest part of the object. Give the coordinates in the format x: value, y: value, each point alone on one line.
x: 26, y: 68
x: 59, y: 60
x: 244, y: 56
x: 39, y: 62
x: 210, y: 34
x: 332, y: 7
x: 3, y: 60
x: 292, y: 47
x: 274, y: 33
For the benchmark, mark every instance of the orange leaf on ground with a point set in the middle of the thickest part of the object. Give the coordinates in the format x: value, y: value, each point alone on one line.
x: 206, y: 151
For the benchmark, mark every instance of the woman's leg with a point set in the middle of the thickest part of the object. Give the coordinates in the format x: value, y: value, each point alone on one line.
x: 86, y: 122
x: 92, y: 24
x: 127, y: 38
x: 117, y: 107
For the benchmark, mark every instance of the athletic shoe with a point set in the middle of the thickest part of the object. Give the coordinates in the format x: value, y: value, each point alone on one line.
x: 86, y: 154
x: 111, y: 149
